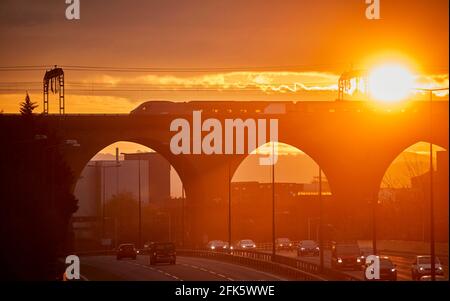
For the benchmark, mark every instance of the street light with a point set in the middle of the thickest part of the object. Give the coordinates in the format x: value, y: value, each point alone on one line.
x: 182, y: 215
x: 321, y: 220
x: 432, y: 242
x: 229, y: 207
x: 139, y: 198
x: 273, y: 202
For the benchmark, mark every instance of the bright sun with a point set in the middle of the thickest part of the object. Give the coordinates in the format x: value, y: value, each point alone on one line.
x: 390, y: 83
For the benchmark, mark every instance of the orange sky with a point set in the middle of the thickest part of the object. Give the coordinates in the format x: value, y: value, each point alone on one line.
x: 251, y: 50
x: 303, y: 45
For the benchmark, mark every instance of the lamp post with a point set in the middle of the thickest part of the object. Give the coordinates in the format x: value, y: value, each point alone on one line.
x: 432, y: 239
x: 117, y: 170
x: 139, y: 199
x: 273, y: 202
x: 182, y: 215
x: 321, y: 221
x: 140, y: 204
x: 229, y: 207
x: 432, y: 249
x: 374, y: 223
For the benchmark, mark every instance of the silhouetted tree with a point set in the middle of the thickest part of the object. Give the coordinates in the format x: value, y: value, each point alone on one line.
x: 36, y: 202
x: 27, y: 106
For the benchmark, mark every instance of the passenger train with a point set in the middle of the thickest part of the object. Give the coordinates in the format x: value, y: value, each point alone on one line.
x: 219, y: 107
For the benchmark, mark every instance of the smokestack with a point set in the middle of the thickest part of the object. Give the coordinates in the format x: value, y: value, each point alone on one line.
x: 117, y: 155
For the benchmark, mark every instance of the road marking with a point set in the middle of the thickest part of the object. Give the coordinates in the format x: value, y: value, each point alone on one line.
x: 242, y: 267
x: 208, y: 271
x: 157, y: 270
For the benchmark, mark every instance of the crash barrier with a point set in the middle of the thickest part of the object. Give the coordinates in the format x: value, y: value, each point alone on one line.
x: 279, y: 263
x: 294, y: 244
x: 257, y: 260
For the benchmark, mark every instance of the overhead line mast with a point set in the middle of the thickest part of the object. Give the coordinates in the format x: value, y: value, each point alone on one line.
x: 54, y: 79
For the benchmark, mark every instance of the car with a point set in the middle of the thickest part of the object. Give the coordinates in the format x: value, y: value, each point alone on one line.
x: 388, y: 270
x: 306, y: 247
x: 283, y: 244
x: 245, y: 244
x: 126, y: 251
x: 421, y: 266
x: 347, y: 255
x: 162, y: 252
x: 217, y: 245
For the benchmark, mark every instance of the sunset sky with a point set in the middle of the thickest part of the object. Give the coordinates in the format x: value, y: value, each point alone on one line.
x: 212, y: 50
x: 288, y: 50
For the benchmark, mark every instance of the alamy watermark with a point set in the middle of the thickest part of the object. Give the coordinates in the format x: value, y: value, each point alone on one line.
x: 226, y: 139
x: 73, y: 269
x: 373, y: 9
x: 372, y: 271
x: 73, y: 10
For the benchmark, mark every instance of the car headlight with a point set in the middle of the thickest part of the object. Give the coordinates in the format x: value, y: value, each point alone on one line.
x: 358, y: 260
x: 303, y: 249
x: 439, y: 268
x: 339, y: 260
x: 393, y: 270
x: 317, y: 248
x: 254, y: 246
x: 243, y: 247
x: 231, y: 248
x: 421, y: 269
x: 212, y: 247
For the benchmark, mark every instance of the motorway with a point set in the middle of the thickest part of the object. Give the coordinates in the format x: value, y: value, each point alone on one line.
x: 201, y: 269
x: 403, y: 263
x: 95, y: 268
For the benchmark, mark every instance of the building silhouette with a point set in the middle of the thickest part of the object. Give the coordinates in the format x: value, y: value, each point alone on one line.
x: 103, y: 179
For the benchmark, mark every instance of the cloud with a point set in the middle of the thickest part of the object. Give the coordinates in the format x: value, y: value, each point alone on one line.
x: 266, y: 82
x: 434, y: 81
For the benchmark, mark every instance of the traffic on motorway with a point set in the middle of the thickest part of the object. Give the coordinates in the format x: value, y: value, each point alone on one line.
x: 345, y: 257
x: 345, y: 260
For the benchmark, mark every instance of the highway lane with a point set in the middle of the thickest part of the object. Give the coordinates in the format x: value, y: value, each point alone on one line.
x: 191, y: 268
x: 403, y: 263
x: 187, y: 268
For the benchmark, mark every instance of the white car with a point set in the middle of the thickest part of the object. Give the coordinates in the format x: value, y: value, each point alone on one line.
x: 421, y: 266
x: 246, y: 244
x: 217, y: 245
